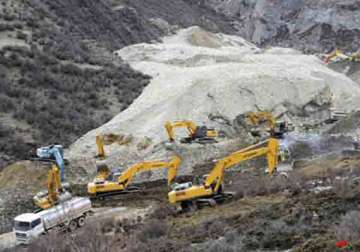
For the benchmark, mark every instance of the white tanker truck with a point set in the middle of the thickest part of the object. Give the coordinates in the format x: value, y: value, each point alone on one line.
x: 67, y: 215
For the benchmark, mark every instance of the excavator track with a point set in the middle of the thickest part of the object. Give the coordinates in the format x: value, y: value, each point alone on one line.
x: 132, y: 196
x: 205, y: 140
x: 214, y: 200
x: 112, y: 195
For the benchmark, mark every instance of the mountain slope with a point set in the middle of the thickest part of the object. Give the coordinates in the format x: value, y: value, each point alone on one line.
x: 213, y: 79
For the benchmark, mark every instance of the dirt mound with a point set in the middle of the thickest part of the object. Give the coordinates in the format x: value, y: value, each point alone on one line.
x: 212, y: 79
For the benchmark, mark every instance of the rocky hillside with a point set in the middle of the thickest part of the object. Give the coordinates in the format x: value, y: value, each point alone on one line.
x: 50, y: 49
x: 58, y: 77
x: 312, y: 26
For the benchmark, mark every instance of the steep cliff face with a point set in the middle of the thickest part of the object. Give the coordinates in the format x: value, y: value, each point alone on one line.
x: 312, y: 26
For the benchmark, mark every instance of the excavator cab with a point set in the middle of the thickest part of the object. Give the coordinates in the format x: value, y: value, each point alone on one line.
x: 281, y: 128
x: 182, y: 186
x: 199, y: 134
x: 202, y: 134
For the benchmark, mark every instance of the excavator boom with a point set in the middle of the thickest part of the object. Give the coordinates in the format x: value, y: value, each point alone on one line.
x: 100, y: 146
x: 55, y: 191
x: 107, y: 139
x: 276, y: 129
x: 212, y: 186
x: 117, y: 185
x: 56, y: 153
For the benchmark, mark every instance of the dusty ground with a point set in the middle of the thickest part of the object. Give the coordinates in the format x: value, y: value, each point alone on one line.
x: 270, y: 215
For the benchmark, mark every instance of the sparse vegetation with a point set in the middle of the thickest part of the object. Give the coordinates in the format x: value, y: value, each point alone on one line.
x: 43, y: 85
x: 60, y: 100
x: 349, y: 227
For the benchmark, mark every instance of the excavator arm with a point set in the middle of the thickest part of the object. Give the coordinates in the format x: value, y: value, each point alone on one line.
x: 54, y: 184
x: 127, y: 176
x: 257, y: 117
x: 56, y: 153
x: 121, y: 184
x: 54, y: 193
x: 108, y: 139
x: 212, y: 185
x: 276, y: 129
x: 100, y: 146
x: 217, y: 174
x: 190, y: 126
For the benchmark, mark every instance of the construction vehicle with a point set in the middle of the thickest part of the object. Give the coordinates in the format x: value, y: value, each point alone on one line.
x: 108, y: 139
x: 277, y: 129
x: 55, y: 193
x: 338, y: 55
x: 210, y: 191
x: 200, y: 134
x: 118, y: 182
x: 53, y: 153
x: 68, y: 215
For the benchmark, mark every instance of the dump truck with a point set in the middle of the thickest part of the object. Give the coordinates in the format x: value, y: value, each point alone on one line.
x: 68, y: 215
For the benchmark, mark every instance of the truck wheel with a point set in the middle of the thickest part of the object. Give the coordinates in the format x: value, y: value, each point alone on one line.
x: 81, y: 221
x: 72, y: 226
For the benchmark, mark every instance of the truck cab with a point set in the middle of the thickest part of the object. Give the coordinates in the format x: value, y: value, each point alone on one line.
x: 27, y: 227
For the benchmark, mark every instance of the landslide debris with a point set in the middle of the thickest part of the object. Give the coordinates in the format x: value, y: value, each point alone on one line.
x: 212, y: 78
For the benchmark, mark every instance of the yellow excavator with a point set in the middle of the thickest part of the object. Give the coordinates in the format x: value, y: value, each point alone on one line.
x: 200, y: 134
x: 55, y: 193
x: 338, y: 54
x: 114, y: 183
x: 277, y: 129
x: 107, y: 139
x: 210, y: 191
